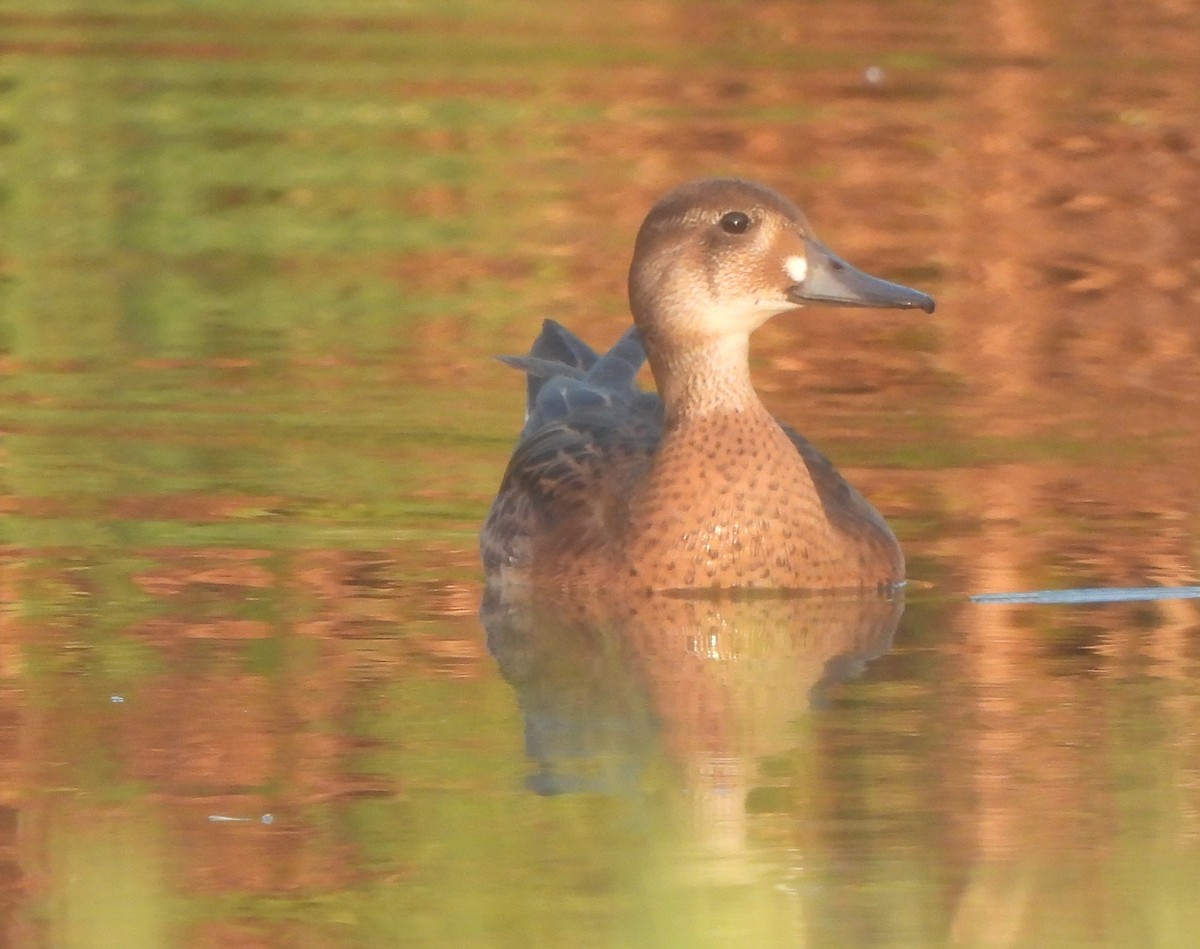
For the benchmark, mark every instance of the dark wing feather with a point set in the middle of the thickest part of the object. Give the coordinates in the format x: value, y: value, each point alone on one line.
x: 844, y: 506
x: 556, y: 351
x: 589, y: 433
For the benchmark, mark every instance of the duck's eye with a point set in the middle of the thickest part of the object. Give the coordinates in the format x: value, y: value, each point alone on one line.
x: 735, y: 222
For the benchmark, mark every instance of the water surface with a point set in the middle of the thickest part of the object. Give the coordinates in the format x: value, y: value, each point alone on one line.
x: 252, y: 269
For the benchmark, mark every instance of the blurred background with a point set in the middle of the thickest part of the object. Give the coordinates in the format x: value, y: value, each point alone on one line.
x: 254, y: 263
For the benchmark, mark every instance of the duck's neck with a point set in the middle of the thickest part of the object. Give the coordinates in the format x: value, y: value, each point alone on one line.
x: 705, y: 379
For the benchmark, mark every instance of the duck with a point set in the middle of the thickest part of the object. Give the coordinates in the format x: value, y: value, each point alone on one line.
x: 695, y: 487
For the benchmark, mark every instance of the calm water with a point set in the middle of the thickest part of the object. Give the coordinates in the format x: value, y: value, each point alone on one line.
x: 252, y: 269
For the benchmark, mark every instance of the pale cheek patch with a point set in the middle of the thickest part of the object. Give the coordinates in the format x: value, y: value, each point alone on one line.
x: 796, y: 268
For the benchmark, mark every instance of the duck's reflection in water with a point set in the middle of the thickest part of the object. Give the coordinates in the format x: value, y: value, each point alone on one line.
x: 710, y: 687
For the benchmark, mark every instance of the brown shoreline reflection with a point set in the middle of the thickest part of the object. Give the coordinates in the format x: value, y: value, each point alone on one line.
x: 713, y: 686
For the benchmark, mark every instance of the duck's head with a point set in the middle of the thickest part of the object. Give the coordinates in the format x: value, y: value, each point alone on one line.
x: 719, y: 257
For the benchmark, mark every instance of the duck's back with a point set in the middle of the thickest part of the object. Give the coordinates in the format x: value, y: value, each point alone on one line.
x: 588, y: 438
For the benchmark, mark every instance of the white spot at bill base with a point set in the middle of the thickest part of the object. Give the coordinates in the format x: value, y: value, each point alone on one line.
x: 796, y: 267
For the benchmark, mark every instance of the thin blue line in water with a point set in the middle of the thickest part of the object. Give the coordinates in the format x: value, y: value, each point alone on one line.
x: 1093, y: 595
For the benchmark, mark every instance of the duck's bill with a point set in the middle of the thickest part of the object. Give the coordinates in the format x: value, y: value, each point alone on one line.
x: 830, y: 281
